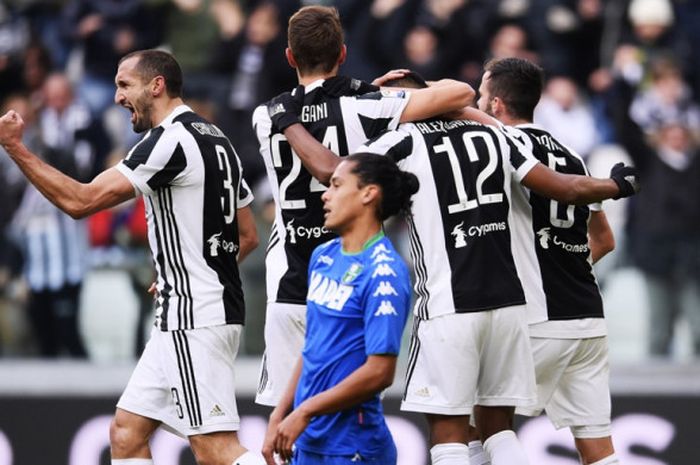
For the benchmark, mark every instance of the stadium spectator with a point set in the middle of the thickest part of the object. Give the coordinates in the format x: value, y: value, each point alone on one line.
x: 55, y: 251
x: 664, y: 224
x: 564, y: 112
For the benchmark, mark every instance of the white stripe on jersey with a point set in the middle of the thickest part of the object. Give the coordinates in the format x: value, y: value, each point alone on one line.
x: 281, y: 261
x: 190, y: 291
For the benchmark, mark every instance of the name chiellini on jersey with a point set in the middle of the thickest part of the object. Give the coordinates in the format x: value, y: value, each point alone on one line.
x: 341, y: 124
x: 191, y: 178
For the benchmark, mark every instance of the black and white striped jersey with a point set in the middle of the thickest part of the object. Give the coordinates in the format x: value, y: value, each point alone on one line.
x: 191, y: 178
x: 460, y: 230
x: 341, y: 124
x: 559, y: 233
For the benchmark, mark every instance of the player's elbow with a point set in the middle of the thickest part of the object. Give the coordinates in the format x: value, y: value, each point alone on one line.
x: 461, y: 95
x: 382, y: 371
x: 606, y: 244
x: 77, y: 209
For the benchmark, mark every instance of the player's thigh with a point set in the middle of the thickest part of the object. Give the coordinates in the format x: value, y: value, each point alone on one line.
x: 444, y: 364
x: 507, y: 375
x: 191, y: 388
x: 285, y: 328
x: 581, y: 400
x: 551, y: 358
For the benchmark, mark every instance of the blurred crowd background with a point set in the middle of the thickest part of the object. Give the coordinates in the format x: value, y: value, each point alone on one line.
x: 623, y: 80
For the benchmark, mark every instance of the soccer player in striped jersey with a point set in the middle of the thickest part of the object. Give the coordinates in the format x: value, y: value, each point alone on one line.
x: 341, y: 120
x: 567, y: 327
x: 199, y: 224
x: 475, y: 305
x: 357, y: 306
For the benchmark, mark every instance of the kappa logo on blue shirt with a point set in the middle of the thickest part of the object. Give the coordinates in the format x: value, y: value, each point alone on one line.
x: 383, y: 269
x: 385, y: 308
x: 378, y: 249
x: 382, y: 257
x: 384, y: 288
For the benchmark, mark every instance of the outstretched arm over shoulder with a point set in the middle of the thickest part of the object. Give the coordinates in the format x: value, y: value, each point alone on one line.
x: 575, y: 189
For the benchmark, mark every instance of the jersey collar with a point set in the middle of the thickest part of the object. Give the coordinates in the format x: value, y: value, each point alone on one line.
x: 370, y: 242
x: 177, y: 111
x: 314, y: 85
x: 528, y: 126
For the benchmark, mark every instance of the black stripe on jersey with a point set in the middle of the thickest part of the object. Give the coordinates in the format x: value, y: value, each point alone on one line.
x: 143, y: 150
x: 413, y: 350
x: 263, y: 375
x: 171, y: 238
x: 418, y: 255
x: 160, y: 260
x: 187, y: 378
x: 274, y: 239
x: 176, y: 165
x: 373, y: 126
x: 401, y: 150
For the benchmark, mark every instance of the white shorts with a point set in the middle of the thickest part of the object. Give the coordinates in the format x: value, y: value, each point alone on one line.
x: 186, y: 380
x: 573, y: 384
x: 285, y: 327
x: 460, y: 360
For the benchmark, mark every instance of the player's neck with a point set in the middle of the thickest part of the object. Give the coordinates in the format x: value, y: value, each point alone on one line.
x: 359, y: 237
x: 509, y: 120
x: 162, y: 111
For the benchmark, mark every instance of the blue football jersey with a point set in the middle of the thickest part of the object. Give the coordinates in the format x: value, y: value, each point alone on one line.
x: 357, y: 305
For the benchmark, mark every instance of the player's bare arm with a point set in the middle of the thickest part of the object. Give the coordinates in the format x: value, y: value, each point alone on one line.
x: 77, y: 199
x: 575, y: 189
x: 442, y: 96
x: 600, y: 236
x: 247, y: 233
x: 284, y: 406
x: 376, y: 374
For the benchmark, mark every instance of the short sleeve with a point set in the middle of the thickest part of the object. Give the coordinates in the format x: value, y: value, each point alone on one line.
x: 396, y: 145
x: 378, y: 111
x: 157, y: 161
x: 522, y: 160
x: 386, y: 304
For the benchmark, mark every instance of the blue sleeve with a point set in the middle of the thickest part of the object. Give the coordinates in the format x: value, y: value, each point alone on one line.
x: 387, y: 304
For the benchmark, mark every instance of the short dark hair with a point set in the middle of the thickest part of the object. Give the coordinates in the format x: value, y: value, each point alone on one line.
x: 154, y: 63
x: 315, y: 37
x: 518, y: 83
x: 396, y: 186
x: 410, y: 80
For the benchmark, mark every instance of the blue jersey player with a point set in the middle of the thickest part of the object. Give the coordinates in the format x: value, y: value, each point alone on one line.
x: 357, y: 305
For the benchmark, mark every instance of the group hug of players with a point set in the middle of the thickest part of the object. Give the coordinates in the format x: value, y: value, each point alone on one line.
x: 504, y: 228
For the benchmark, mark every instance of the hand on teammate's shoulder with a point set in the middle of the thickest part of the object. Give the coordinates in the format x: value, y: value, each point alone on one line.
x: 284, y: 109
x: 341, y: 86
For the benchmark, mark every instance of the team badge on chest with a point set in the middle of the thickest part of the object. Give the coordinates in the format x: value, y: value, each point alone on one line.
x: 352, y: 273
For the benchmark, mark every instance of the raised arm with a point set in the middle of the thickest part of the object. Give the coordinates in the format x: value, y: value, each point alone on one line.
x: 77, y: 199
